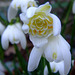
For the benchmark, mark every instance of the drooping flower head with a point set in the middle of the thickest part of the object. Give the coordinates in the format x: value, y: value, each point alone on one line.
x: 19, y: 4
x: 44, y: 32
x: 55, y: 67
x: 14, y: 35
x: 41, y: 23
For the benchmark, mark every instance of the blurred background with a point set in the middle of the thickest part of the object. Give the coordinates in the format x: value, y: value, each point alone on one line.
x: 63, y: 9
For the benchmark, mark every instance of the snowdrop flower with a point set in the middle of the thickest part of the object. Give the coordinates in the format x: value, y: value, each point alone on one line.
x: 44, y: 29
x: 13, y: 34
x: 2, y: 27
x: 57, y: 49
x: 73, y: 8
x: 55, y: 67
x: 41, y: 24
x: 19, y: 4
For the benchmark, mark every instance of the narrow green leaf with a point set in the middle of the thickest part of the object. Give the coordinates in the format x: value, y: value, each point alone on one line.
x: 69, y: 8
x: 73, y: 33
x: 17, y: 72
x: 22, y: 61
x: 41, y: 66
x: 49, y: 68
x: 5, y: 22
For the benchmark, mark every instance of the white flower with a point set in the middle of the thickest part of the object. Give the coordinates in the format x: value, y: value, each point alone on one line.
x: 55, y: 67
x: 2, y: 69
x: 73, y: 62
x: 10, y: 65
x: 57, y: 49
x: 19, y: 4
x: 41, y: 23
x: 13, y: 34
x: 73, y: 8
x: 2, y: 73
x: 44, y: 29
x: 2, y: 27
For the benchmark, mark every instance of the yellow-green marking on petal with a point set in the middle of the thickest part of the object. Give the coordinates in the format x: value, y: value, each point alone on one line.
x: 54, y: 55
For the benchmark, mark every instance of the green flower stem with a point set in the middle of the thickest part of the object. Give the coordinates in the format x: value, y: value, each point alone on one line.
x: 49, y: 69
x: 21, y: 60
x: 67, y: 16
x: 14, y: 21
x: 17, y: 72
x: 4, y: 21
x: 41, y: 66
x: 72, y: 35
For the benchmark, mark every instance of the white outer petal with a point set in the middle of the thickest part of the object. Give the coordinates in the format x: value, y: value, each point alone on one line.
x: 2, y: 27
x: 24, y: 18
x: 45, y: 8
x: 38, y: 42
x: 56, y: 24
x: 31, y: 11
x: 34, y: 58
x: 73, y: 8
x: 60, y: 67
x: 22, y: 40
x: 53, y: 46
x: 19, y: 25
x: 5, y: 40
x: 11, y: 13
x: 25, y: 28
x: 66, y: 55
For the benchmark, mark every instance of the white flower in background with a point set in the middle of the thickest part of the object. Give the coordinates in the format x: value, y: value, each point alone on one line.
x: 10, y: 65
x: 57, y: 49
x: 44, y: 29
x: 2, y: 27
x: 2, y: 73
x: 2, y: 69
x: 73, y: 8
x: 41, y: 24
x: 73, y: 62
x: 19, y: 4
x: 13, y: 34
x: 55, y: 67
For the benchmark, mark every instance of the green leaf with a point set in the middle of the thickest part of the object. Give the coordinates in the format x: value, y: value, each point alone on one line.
x: 17, y: 72
x: 72, y: 34
x: 21, y: 60
x: 69, y: 8
x: 49, y: 68
x: 5, y: 22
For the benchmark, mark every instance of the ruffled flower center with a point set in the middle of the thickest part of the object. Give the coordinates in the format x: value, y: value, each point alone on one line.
x: 41, y: 25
